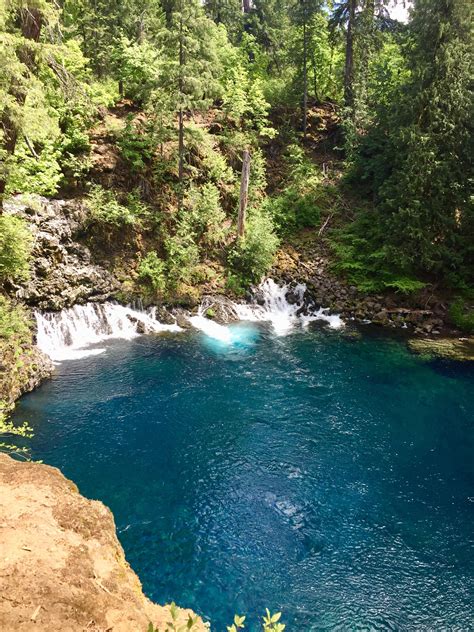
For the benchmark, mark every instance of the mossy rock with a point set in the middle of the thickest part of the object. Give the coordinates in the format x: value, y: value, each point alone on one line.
x: 451, y: 348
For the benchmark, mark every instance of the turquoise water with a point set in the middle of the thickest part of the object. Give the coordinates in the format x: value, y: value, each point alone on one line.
x: 328, y: 478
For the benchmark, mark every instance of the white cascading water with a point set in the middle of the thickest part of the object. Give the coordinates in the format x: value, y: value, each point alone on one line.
x: 282, y: 314
x: 66, y: 335
x: 274, y: 308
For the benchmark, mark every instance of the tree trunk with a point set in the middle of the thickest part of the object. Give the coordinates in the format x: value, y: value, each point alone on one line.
x: 31, y: 23
x: 244, y: 193
x: 245, y: 6
x: 305, y: 76
x: 349, y: 62
x: 180, y: 113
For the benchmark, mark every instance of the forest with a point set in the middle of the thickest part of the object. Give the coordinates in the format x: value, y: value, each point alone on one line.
x: 180, y: 89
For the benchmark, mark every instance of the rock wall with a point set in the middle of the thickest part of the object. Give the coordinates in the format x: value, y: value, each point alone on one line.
x: 63, y: 272
x: 62, y: 567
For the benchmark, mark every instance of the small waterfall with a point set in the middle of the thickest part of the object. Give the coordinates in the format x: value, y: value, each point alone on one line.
x: 66, y: 335
x: 284, y: 307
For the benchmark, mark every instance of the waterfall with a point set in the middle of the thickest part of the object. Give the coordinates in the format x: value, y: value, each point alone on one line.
x: 283, y: 307
x: 68, y: 334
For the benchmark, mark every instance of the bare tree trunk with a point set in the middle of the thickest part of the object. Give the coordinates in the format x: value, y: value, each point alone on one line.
x: 245, y: 6
x: 349, y: 62
x: 31, y: 24
x: 244, y: 193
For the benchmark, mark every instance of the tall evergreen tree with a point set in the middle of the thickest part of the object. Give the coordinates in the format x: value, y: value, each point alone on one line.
x: 192, y: 65
x: 425, y: 202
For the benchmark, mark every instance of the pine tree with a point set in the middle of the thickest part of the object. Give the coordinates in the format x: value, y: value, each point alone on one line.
x: 425, y: 202
x: 191, y: 66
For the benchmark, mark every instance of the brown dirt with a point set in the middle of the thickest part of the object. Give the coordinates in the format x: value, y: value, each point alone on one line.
x: 62, y: 568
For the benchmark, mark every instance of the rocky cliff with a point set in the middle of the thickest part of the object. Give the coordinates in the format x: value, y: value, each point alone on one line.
x: 63, y: 272
x: 62, y: 567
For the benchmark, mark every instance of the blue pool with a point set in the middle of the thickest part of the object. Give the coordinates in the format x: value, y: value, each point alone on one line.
x: 324, y: 476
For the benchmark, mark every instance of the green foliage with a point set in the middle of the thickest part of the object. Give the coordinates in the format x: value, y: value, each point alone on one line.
x: 15, y: 248
x: 462, y: 315
x: 303, y: 197
x: 253, y: 255
x: 151, y: 269
x: 182, y: 255
x: 238, y: 624
x: 205, y: 215
x: 416, y: 160
x: 105, y: 208
x: 365, y: 261
x: 8, y: 429
x: 271, y: 622
x: 14, y: 322
x: 174, y: 626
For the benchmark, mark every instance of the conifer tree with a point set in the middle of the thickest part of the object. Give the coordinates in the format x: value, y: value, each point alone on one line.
x: 426, y: 213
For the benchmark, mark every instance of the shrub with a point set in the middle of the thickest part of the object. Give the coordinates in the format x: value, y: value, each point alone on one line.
x: 367, y: 266
x: 253, y: 255
x: 15, y: 248
x: 183, y: 256
x: 105, y: 208
x: 206, y: 213
x: 462, y: 316
x: 151, y: 269
x: 14, y: 322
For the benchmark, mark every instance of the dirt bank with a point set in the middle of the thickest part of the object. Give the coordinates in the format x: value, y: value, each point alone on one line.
x: 62, y: 567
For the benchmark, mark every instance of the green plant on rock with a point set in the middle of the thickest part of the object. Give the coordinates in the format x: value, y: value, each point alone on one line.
x: 15, y: 248
x: 174, y: 625
x: 14, y: 323
x: 364, y: 259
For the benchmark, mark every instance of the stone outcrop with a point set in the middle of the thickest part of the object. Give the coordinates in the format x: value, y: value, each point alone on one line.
x: 310, y: 264
x: 62, y: 567
x: 22, y: 369
x: 63, y: 272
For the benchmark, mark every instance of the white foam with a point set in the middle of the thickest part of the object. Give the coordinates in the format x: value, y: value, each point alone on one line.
x: 67, y: 335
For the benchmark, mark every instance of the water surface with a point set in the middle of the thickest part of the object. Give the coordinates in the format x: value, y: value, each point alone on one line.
x: 328, y: 478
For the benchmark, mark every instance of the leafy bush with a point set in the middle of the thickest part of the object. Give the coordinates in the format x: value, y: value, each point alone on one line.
x: 183, y: 256
x: 462, y: 315
x: 253, y: 255
x: 365, y: 261
x: 152, y: 270
x: 206, y: 214
x: 303, y: 198
x: 14, y: 322
x: 8, y: 429
x: 137, y: 145
x: 105, y: 208
x: 15, y: 248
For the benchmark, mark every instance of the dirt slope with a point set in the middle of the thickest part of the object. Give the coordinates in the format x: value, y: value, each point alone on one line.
x: 62, y: 568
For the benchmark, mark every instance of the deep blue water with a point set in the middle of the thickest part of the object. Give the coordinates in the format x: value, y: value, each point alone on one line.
x: 328, y: 478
